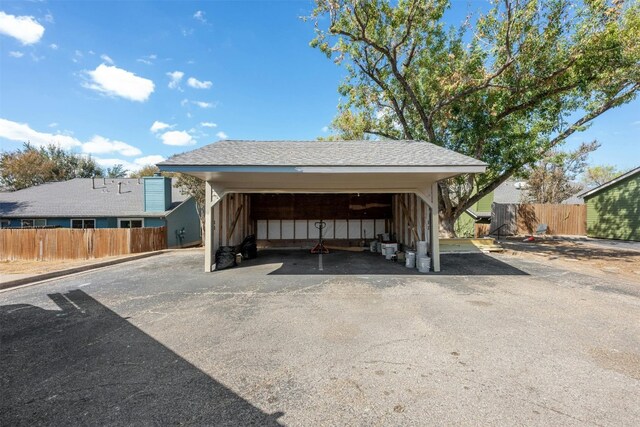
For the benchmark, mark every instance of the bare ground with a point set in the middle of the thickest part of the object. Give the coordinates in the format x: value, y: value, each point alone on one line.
x: 583, y: 256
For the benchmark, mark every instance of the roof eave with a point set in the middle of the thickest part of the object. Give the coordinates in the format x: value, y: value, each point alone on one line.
x: 606, y: 185
x: 477, y: 168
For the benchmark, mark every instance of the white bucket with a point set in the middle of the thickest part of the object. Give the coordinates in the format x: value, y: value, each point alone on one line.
x: 422, y: 249
x: 424, y: 264
x: 389, y: 250
x: 389, y: 255
x: 410, y: 259
x: 373, y: 247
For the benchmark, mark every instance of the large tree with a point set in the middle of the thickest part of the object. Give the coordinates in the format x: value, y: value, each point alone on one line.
x: 505, y: 86
x: 597, y: 175
x: 32, y: 165
x: 553, y: 178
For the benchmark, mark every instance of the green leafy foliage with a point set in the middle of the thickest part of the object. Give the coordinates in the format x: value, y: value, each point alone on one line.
x: 116, y: 171
x: 32, y: 165
x: 553, y: 178
x: 148, y: 170
x: 595, y: 176
x: 194, y: 187
x: 505, y: 86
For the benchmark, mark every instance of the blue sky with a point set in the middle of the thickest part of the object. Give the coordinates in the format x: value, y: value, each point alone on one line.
x: 135, y: 82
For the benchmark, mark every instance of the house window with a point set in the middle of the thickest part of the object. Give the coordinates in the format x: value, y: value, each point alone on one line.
x: 130, y: 223
x: 5, y: 223
x: 26, y: 223
x: 83, y: 223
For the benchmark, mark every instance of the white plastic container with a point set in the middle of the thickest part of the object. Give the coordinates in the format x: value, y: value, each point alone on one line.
x: 422, y: 249
x: 389, y: 250
x: 410, y: 259
x: 424, y: 264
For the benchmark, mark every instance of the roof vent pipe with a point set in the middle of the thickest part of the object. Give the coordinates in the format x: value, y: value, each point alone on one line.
x: 138, y: 181
x: 93, y: 182
x: 119, y: 188
x: 104, y: 180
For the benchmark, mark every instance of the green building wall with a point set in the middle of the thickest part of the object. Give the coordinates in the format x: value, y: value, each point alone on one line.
x: 614, y: 212
x: 465, y: 224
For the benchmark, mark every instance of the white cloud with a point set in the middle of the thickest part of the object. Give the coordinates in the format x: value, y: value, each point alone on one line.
x: 208, y: 125
x: 177, y: 137
x: 203, y: 104
x: 147, y: 59
x: 101, y: 145
x: 149, y: 160
x: 222, y: 135
x: 53, y: 46
x: 16, y: 54
x: 106, y: 58
x: 23, y: 28
x: 636, y: 123
x: 325, y: 129
x: 53, y: 125
x: 197, y: 84
x: 131, y: 166
x: 118, y: 82
x: 21, y: 132
x: 158, y: 126
x: 78, y: 54
x: 49, y: 18
x: 36, y: 58
x: 199, y: 15
x: 176, y: 77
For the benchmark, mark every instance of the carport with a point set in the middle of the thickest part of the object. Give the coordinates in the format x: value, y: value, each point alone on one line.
x: 406, y: 171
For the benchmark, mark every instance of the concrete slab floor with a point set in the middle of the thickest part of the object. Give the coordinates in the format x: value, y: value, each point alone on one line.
x: 494, y: 340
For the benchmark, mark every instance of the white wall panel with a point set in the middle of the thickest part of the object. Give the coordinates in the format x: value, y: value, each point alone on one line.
x: 327, y: 233
x: 341, y: 229
x: 367, y: 229
x: 287, y: 229
x: 313, y: 231
x: 354, y: 229
x: 262, y: 229
x: 274, y: 229
x: 301, y: 229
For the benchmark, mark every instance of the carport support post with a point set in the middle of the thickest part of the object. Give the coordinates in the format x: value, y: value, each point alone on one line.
x: 435, y: 228
x: 212, y: 196
x: 430, y: 197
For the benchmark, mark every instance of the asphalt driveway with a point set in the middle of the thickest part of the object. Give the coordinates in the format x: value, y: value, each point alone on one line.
x: 491, y: 340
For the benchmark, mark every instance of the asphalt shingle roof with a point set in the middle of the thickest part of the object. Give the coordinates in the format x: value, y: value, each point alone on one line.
x: 321, y: 153
x: 76, y: 198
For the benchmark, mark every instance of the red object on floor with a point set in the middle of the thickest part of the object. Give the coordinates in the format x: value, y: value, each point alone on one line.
x: 529, y: 239
x: 320, y: 248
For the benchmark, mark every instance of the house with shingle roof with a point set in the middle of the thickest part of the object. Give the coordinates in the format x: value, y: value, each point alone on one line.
x: 105, y: 203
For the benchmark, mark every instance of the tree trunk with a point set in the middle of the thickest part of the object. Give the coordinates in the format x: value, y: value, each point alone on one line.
x: 447, y: 225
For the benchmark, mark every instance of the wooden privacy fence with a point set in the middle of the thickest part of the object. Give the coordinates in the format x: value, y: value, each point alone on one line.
x: 524, y: 219
x: 66, y: 243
